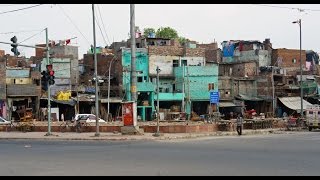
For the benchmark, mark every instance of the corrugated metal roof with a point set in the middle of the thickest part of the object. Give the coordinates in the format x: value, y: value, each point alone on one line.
x: 248, y: 98
x: 294, y: 103
x: 226, y: 104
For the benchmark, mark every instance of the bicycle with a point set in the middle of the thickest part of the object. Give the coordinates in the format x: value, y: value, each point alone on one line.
x: 82, y: 126
x: 78, y: 127
x: 65, y: 126
x: 11, y: 127
x: 26, y: 126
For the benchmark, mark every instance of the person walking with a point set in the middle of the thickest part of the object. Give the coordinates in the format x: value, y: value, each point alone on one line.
x: 239, y: 124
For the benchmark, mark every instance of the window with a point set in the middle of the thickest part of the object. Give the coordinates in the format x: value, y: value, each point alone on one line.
x: 184, y: 62
x: 310, y: 112
x: 211, y: 86
x: 318, y: 112
x: 139, y: 79
x: 294, y: 61
x: 92, y: 117
x: 175, y: 63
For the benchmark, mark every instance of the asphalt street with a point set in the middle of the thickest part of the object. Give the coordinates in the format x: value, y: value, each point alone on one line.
x: 295, y: 153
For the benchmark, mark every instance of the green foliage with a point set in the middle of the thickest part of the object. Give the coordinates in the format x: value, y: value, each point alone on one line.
x: 182, y: 40
x: 147, y: 31
x: 167, y: 32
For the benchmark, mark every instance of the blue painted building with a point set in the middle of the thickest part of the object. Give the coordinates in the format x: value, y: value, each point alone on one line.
x: 145, y: 88
x: 198, y: 82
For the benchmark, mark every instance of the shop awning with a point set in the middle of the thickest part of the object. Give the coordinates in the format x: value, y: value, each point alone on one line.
x: 227, y: 104
x: 294, y: 103
x: 70, y: 102
x: 248, y: 98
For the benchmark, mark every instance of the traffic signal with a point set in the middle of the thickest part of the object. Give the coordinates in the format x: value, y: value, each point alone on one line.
x: 44, y: 80
x: 50, y: 72
x: 14, y: 45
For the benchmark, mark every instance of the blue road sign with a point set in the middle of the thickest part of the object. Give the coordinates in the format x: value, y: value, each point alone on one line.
x: 214, y: 97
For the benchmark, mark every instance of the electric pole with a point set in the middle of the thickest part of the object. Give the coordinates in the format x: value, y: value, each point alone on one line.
x: 48, y: 85
x: 133, y: 55
x: 95, y: 73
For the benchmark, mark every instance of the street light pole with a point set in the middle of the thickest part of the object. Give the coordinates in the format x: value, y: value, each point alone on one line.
x: 95, y: 73
x: 157, y: 134
x: 301, y: 88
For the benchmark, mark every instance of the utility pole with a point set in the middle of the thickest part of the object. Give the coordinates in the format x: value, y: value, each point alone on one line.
x: 189, y: 99
x: 49, y: 92
x: 95, y: 73
x: 133, y: 55
x: 301, y: 88
x: 157, y: 134
x: 273, y: 93
x: 183, y: 103
x: 109, y: 88
x: 77, y: 90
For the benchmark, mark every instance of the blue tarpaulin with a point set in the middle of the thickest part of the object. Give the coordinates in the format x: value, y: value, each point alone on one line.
x: 228, y: 50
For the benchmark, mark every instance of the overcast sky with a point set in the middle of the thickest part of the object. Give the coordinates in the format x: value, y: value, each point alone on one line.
x: 203, y: 23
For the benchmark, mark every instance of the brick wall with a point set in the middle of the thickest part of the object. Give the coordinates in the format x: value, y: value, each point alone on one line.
x: 176, y: 51
x: 213, y: 55
x: 2, y: 53
x: 242, y: 69
x: 287, y: 56
x: 12, y: 61
x: 211, y: 46
x: 264, y: 86
x: 165, y: 50
x: 195, y: 52
x: 103, y: 62
x: 225, y: 88
x: 3, y: 78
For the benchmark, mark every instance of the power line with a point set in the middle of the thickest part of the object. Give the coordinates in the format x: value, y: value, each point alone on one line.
x: 104, y: 39
x: 103, y: 25
x: 73, y: 24
x: 15, y: 10
x: 7, y: 5
x: 31, y: 36
x: 286, y: 7
x: 19, y: 31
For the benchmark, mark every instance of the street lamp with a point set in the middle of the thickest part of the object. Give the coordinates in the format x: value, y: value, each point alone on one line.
x: 157, y: 134
x: 301, y: 90
x: 109, y: 87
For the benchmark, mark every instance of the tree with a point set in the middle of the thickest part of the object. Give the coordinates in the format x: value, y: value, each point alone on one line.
x: 182, y: 40
x: 167, y: 32
x: 148, y: 31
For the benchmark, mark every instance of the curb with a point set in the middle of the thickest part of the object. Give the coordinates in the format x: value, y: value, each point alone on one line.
x: 132, y: 138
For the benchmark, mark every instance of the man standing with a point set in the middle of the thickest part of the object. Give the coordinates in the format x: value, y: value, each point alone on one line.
x: 239, y: 124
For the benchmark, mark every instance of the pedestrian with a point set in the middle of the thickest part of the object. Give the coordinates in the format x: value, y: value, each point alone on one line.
x: 239, y: 124
x: 62, y: 117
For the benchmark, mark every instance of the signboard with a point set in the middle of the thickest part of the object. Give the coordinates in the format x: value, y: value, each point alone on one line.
x: 214, y: 97
x: 129, y: 114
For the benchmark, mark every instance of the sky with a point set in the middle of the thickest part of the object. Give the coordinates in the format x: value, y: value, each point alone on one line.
x: 203, y: 23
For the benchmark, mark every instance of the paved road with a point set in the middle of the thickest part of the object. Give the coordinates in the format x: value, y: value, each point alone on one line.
x: 275, y: 154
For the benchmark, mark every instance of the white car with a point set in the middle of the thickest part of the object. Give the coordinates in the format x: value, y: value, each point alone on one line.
x: 89, y: 118
x: 3, y: 121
